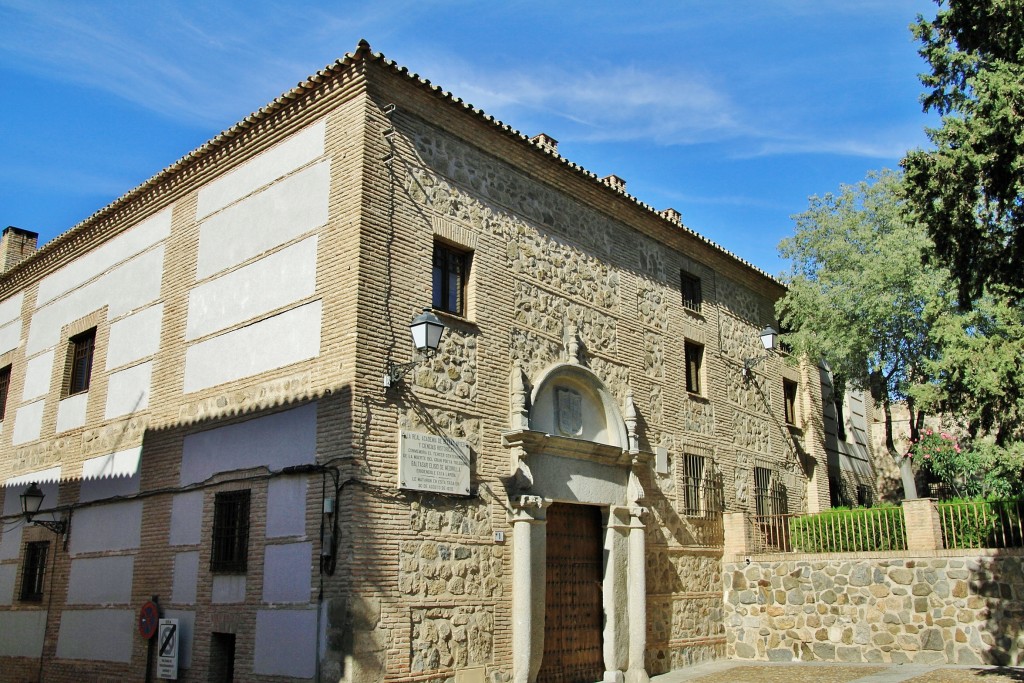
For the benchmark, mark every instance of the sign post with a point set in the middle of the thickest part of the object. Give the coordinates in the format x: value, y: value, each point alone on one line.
x: 167, y: 650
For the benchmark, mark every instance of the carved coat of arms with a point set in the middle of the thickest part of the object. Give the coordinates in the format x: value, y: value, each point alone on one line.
x: 569, y: 406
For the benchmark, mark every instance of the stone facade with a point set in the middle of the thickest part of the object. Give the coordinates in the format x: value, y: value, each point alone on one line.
x: 246, y: 303
x: 924, y: 610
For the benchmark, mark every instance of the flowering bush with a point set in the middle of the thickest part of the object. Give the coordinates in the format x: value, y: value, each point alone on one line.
x: 941, y: 455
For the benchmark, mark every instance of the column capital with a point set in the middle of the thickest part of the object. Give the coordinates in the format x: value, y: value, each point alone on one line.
x: 529, y: 508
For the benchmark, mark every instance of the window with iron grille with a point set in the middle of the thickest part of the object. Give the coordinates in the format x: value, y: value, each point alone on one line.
x: 770, y: 496
x: 690, y: 286
x: 703, y: 487
x: 789, y: 401
x: 451, y: 268
x: 694, y: 360
x: 865, y: 497
x: 34, y: 571
x: 5, y: 385
x: 80, y: 353
x: 230, y: 532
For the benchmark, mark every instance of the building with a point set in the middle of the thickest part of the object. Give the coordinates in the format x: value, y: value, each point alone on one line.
x: 194, y: 379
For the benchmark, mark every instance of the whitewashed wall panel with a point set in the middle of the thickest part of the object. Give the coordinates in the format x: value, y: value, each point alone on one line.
x: 114, y: 474
x: 101, y: 580
x: 274, y: 216
x: 97, y: 634
x: 28, y: 423
x: 278, y: 341
x: 38, y: 371
x: 276, y: 162
x: 115, y: 526
x: 272, y: 282
x: 10, y: 308
x: 99, y: 260
x: 134, y: 337
x: 128, y: 390
x: 71, y: 412
x: 23, y: 633
x: 10, y: 336
x: 285, y: 643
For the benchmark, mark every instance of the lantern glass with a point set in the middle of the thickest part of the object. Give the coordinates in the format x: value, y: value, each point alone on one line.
x: 32, y: 499
x: 768, y: 337
x: 426, y: 331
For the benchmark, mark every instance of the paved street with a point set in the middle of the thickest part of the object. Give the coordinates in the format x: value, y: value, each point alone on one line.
x: 725, y: 671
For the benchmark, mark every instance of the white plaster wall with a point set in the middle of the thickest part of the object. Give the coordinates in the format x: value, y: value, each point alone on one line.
x: 71, y: 411
x: 129, y: 286
x: 134, y: 337
x: 114, y: 474
x: 265, y: 285
x: 99, y: 260
x: 10, y: 336
x: 101, y: 580
x: 28, y: 422
x: 128, y: 390
x: 37, y: 376
x: 286, y: 507
x: 186, y: 630
x: 278, y: 341
x: 186, y: 518
x: 227, y: 589
x: 47, y: 480
x: 264, y: 220
x: 23, y: 633
x: 285, y: 643
x: 276, y: 441
x: 10, y: 308
x: 96, y: 634
x: 116, y: 526
x: 186, y: 577
x: 286, y: 573
x: 286, y: 156
x: 10, y: 540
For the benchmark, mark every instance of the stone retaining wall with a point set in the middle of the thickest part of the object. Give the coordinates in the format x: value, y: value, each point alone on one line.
x: 952, y: 609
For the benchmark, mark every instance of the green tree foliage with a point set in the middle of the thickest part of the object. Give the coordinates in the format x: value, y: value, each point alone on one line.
x: 969, y: 190
x: 859, y: 298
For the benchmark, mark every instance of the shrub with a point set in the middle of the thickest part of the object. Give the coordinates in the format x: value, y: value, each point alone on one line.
x: 981, y: 523
x: 842, y: 530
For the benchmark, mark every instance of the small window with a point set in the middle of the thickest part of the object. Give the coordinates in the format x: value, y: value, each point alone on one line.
x: 35, y: 571
x: 230, y: 532
x: 5, y: 385
x: 838, y: 400
x: 694, y: 360
x: 770, y: 496
x: 865, y: 497
x: 693, y: 480
x: 789, y: 401
x: 690, y: 285
x: 80, y: 352
x: 451, y: 268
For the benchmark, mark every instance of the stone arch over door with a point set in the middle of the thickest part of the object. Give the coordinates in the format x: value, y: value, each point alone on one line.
x: 573, y: 446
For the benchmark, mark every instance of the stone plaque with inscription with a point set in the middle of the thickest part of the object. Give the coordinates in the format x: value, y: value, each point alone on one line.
x: 428, y: 462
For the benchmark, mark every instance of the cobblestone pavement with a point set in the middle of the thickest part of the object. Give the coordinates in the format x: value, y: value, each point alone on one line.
x: 725, y: 671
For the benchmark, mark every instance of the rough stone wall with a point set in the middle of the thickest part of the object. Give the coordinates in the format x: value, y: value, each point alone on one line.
x: 935, y: 610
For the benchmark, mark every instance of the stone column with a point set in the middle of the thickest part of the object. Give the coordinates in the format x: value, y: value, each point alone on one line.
x: 616, y: 595
x: 924, y: 529
x: 637, y: 673
x: 529, y: 564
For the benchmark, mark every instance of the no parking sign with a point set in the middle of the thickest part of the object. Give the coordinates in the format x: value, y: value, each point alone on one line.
x: 167, y: 650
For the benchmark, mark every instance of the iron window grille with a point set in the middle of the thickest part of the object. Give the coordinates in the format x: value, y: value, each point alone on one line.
x: 451, y: 267
x: 694, y: 360
x: 703, y: 487
x: 35, y: 570
x: 81, y: 351
x: 690, y: 286
x: 230, y: 532
x: 5, y: 385
x: 770, y: 497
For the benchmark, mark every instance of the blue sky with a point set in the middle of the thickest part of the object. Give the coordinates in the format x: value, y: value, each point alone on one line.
x: 731, y: 112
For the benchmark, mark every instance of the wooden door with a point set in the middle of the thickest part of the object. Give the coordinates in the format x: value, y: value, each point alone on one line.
x: 574, y: 614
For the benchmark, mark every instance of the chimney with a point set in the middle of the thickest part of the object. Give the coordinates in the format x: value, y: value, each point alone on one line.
x: 614, y: 182
x: 16, y: 245
x: 671, y: 215
x: 545, y: 142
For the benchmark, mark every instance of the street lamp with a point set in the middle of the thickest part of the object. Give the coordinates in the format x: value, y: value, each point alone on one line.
x: 426, y: 330
x: 31, y: 501
x: 769, y: 339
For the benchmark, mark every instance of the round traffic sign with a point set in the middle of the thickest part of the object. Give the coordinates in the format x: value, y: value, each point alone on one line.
x: 149, y: 618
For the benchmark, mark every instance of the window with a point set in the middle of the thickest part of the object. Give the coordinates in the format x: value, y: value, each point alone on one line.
x: 838, y: 399
x: 5, y: 385
x: 222, y: 657
x: 789, y: 401
x: 690, y: 286
x: 693, y: 478
x: 35, y: 570
x: 451, y: 267
x: 864, y: 496
x: 694, y: 360
x: 769, y: 493
x: 230, y: 532
x: 80, y: 352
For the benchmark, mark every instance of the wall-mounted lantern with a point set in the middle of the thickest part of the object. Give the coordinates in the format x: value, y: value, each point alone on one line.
x: 31, y: 501
x: 426, y: 330
x: 769, y: 339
